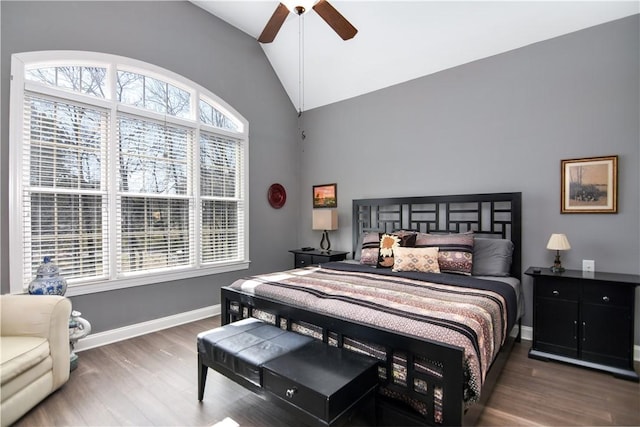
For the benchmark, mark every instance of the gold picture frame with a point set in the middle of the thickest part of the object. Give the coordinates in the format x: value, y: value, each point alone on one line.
x: 325, y: 196
x: 589, y: 185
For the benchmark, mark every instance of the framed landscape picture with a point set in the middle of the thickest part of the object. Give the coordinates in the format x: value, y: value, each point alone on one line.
x: 325, y: 196
x: 590, y: 185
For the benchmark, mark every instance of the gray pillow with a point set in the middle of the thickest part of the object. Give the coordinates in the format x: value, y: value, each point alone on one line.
x: 492, y: 257
x: 358, y: 254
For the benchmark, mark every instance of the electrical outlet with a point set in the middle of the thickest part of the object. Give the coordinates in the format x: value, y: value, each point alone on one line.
x: 588, y: 265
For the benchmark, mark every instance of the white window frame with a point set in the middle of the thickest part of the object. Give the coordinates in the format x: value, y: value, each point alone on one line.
x: 19, y: 63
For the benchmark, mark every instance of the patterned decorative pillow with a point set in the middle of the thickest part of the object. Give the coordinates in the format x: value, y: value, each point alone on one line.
x: 370, y: 248
x: 416, y: 259
x: 390, y: 242
x: 455, y: 253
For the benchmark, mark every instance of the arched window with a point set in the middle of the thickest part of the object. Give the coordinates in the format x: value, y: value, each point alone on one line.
x: 123, y: 172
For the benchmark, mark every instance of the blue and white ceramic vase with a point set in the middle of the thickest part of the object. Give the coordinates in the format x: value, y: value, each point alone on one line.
x: 48, y: 280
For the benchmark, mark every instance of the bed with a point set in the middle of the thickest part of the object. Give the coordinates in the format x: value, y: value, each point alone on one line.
x: 440, y: 327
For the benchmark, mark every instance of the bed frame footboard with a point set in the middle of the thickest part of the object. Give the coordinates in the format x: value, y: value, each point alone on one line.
x: 427, y: 375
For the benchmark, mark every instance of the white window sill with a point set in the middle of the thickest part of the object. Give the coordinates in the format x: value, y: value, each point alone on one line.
x: 150, y: 279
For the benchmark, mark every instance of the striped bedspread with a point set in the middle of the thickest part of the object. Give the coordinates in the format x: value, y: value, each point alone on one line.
x: 463, y: 311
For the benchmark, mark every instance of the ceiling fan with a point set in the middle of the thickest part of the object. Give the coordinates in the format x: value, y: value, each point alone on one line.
x: 322, y: 7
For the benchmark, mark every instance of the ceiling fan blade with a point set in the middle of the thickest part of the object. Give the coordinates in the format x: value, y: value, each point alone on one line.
x: 273, y: 26
x: 335, y: 20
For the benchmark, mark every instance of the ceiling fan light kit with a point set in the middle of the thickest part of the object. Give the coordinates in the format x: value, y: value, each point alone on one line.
x: 299, y: 6
x: 331, y: 16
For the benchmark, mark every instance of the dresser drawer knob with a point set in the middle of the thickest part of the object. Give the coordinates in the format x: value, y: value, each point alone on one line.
x: 556, y: 292
x: 606, y: 298
x: 290, y: 392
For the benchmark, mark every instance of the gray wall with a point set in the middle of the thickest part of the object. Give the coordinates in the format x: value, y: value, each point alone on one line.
x: 496, y: 125
x: 184, y: 39
x: 499, y: 124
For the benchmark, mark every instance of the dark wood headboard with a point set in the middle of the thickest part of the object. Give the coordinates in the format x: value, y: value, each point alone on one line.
x: 497, y: 215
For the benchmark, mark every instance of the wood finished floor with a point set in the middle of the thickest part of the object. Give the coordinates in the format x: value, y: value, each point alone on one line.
x: 152, y: 380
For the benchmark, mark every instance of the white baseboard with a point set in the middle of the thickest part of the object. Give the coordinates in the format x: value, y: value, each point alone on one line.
x: 126, y: 332
x: 527, y: 334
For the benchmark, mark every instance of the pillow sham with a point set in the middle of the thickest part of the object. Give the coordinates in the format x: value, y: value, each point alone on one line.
x: 416, y: 259
x: 455, y: 254
x: 358, y: 253
x: 492, y: 257
x: 370, y: 248
x: 389, y: 242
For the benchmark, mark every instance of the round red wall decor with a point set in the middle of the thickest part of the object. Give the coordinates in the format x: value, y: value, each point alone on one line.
x: 277, y: 196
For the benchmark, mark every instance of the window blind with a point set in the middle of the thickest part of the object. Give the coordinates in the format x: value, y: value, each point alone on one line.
x: 64, y: 203
x: 222, y: 212
x: 155, y: 201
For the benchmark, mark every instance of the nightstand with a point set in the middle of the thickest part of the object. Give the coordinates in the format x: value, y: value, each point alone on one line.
x: 586, y: 319
x: 314, y: 257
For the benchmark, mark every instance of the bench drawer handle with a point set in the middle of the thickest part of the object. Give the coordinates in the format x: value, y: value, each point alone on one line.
x: 290, y: 392
x: 556, y: 292
x: 605, y: 298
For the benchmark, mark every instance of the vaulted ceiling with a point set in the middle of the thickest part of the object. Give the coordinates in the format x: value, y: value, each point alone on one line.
x: 402, y: 40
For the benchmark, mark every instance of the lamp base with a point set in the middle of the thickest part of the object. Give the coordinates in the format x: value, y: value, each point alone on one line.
x: 325, y: 243
x: 557, y: 265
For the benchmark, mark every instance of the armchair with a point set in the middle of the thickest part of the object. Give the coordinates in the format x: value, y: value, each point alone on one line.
x: 34, y: 351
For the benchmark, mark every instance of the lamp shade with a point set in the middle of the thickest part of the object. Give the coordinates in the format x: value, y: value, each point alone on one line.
x: 325, y: 219
x: 558, y: 242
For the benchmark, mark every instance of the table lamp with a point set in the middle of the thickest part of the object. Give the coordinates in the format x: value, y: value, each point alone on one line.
x: 558, y: 242
x: 325, y: 219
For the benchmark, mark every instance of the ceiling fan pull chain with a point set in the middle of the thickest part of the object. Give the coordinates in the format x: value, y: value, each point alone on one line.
x: 301, y: 77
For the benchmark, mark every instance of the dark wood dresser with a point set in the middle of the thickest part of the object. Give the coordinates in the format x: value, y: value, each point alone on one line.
x: 586, y: 319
